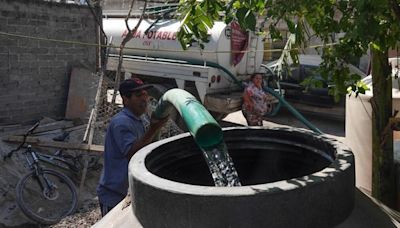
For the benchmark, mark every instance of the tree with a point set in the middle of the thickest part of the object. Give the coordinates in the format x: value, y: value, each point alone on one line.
x: 362, y: 25
x: 126, y: 39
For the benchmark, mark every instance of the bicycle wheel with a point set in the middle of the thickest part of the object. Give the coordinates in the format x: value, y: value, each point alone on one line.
x: 46, y: 207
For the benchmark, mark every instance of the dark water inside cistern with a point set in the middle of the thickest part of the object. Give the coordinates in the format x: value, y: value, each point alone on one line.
x: 259, y: 158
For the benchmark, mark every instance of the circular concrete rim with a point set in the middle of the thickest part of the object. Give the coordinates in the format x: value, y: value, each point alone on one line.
x: 344, y: 160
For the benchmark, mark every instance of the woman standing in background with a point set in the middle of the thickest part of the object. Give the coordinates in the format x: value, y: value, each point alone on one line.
x: 255, y: 101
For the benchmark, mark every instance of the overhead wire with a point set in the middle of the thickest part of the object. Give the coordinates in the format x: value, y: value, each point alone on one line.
x: 146, y: 49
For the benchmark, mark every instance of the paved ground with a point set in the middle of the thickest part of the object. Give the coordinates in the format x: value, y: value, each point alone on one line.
x: 284, y: 117
x: 365, y: 214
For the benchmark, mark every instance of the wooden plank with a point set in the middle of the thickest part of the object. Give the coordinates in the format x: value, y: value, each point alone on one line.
x: 81, y: 93
x: 47, y: 127
x: 96, y: 107
x: 9, y: 126
x: 70, y: 129
x: 83, y: 177
x: 85, y: 136
x: 63, y: 145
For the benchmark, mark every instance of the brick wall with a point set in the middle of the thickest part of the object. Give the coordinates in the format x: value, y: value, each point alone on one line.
x: 34, y: 74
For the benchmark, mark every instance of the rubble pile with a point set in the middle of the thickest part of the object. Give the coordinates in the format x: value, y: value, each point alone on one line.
x: 11, y: 170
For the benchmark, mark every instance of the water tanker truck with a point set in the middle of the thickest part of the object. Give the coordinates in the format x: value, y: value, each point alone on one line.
x: 155, y: 55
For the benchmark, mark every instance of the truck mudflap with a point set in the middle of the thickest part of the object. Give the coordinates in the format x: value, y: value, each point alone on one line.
x: 224, y: 102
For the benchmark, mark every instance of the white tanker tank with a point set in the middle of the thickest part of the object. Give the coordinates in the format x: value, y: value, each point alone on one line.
x: 155, y: 54
x: 161, y: 41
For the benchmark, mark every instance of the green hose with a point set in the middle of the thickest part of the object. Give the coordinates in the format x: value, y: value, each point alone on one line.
x: 293, y: 110
x: 203, y: 127
x: 275, y: 94
x: 269, y: 90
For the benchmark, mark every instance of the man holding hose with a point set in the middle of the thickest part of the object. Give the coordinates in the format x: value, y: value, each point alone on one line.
x: 125, y: 135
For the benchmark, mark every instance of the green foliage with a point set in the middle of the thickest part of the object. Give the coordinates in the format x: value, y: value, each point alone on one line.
x: 359, y: 23
x: 358, y: 88
x: 274, y: 32
x: 246, y: 19
x: 353, y: 25
x: 197, y: 18
x: 312, y: 82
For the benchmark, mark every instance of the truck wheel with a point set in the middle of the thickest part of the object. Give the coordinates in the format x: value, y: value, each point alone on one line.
x: 218, y: 116
x: 271, y: 80
x: 155, y: 94
x: 273, y: 109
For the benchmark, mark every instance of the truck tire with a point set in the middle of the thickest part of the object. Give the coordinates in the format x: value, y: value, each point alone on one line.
x: 155, y: 94
x: 271, y: 80
x: 217, y: 115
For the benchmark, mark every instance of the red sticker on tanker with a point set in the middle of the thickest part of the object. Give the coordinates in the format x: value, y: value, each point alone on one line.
x: 239, y: 41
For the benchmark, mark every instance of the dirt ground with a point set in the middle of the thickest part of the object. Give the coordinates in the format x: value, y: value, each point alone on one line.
x: 11, y: 170
x: 85, y: 216
x: 88, y: 212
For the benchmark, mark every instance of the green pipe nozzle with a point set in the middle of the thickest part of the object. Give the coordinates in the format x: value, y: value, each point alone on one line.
x: 203, y: 127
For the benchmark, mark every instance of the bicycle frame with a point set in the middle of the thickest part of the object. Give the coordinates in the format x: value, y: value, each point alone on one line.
x: 64, y: 162
x: 33, y: 160
x: 58, y: 162
x: 33, y: 163
x: 67, y: 162
x: 45, y: 185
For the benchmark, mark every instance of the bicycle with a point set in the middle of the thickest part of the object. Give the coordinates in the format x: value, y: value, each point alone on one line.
x: 70, y: 163
x: 44, y: 195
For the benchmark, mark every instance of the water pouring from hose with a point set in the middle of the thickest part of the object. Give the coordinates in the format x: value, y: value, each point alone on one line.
x: 205, y: 131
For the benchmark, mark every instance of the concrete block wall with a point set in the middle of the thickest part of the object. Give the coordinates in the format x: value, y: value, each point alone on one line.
x: 34, y: 73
